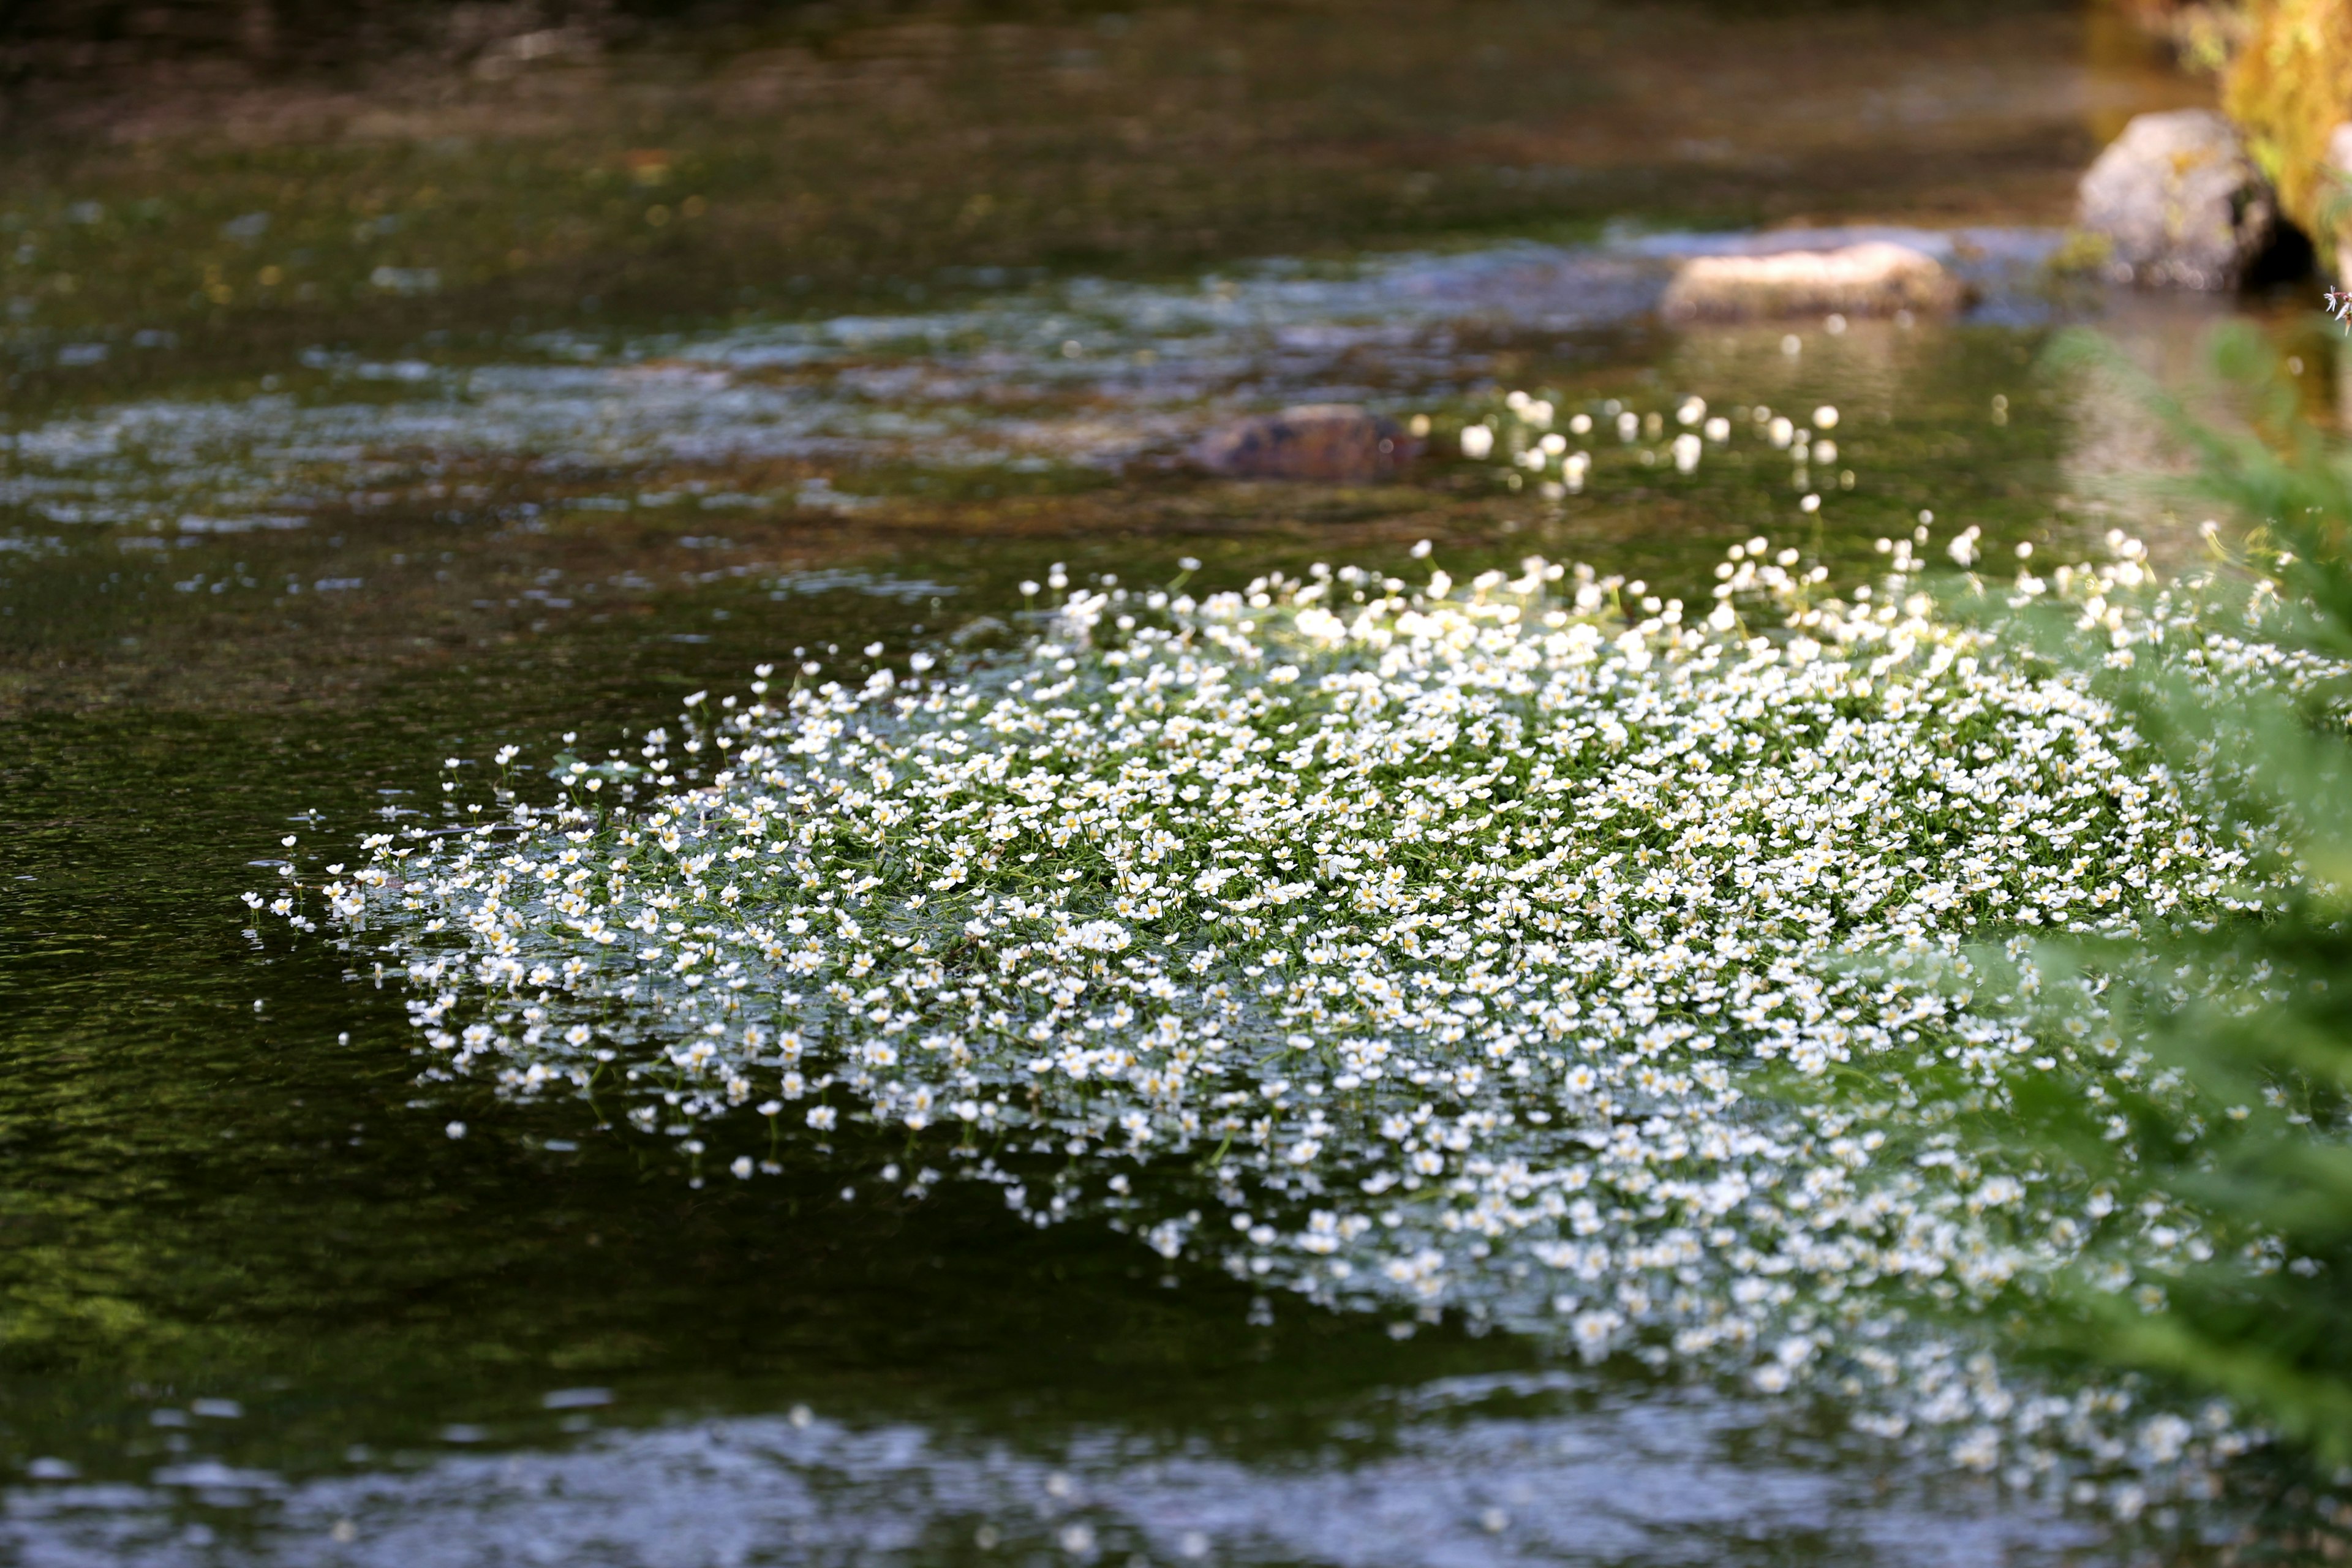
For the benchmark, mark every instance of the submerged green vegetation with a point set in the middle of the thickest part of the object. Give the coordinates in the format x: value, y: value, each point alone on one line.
x: 1535, y: 950
x: 2243, y: 1015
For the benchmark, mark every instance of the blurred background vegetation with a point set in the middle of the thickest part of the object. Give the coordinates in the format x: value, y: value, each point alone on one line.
x: 2284, y: 69
x: 2225, y: 1144
x: 2256, y: 1011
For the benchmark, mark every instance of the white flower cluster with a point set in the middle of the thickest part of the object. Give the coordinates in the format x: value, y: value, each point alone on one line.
x: 1469, y: 948
x: 1533, y: 439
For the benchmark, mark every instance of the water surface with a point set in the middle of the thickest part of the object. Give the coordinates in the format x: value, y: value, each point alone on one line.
x: 258, y: 1305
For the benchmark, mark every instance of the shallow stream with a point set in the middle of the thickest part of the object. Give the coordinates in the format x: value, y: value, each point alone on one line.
x: 261, y: 1302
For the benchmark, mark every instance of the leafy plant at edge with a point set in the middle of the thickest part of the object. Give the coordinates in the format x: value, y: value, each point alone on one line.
x: 2238, y: 1027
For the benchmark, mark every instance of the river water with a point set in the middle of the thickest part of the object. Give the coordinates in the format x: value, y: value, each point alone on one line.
x: 259, y: 1305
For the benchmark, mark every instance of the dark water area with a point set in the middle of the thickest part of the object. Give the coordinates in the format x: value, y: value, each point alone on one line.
x: 354, y: 423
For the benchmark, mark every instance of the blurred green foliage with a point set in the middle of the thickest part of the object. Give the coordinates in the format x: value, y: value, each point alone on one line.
x: 2245, y: 1018
x: 2289, y: 84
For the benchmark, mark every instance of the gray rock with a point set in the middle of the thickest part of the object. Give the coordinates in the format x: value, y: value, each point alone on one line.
x: 1333, y: 442
x: 2178, y: 203
x: 1874, y: 279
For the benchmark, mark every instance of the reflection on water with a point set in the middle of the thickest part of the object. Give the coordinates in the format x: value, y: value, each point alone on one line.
x: 1087, y: 373
x: 367, y: 515
x: 1468, y: 1472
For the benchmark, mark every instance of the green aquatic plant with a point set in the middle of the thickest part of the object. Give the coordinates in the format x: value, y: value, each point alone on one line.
x: 1426, y: 949
x: 1528, y: 436
x: 2241, y: 1018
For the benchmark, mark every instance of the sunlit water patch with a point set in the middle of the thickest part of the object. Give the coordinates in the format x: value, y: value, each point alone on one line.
x: 878, y: 585
x: 1471, y: 950
x: 1471, y: 1472
x: 1085, y: 376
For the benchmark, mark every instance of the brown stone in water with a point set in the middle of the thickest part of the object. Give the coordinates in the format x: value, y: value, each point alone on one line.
x: 1332, y: 442
x: 1875, y: 278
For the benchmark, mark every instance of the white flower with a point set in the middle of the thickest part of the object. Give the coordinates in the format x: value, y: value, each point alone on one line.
x: 1461, y: 932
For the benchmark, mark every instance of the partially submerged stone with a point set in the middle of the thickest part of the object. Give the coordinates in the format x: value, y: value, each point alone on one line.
x: 1332, y: 442
x: 1878, y: 277
x: 2178, y: 203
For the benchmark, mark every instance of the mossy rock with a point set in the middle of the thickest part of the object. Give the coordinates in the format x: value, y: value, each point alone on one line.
x: 2289, y: 87
x: 2178, y: 203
